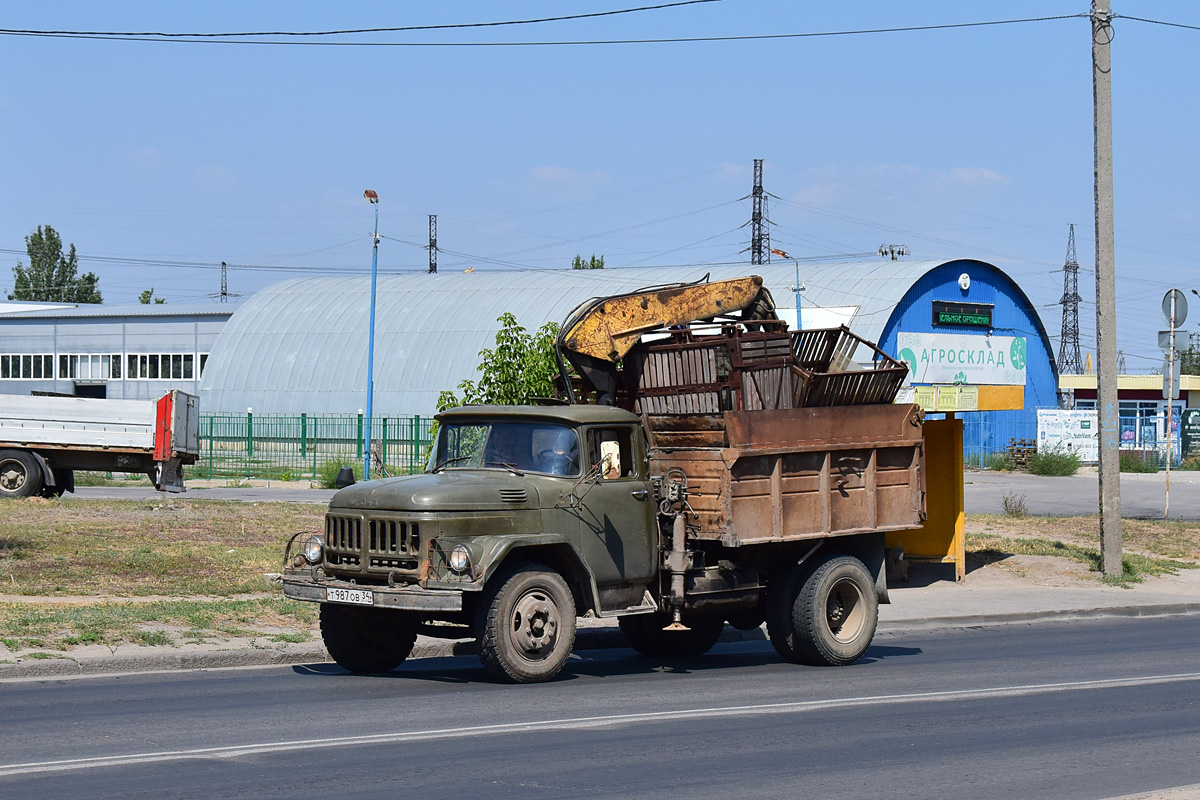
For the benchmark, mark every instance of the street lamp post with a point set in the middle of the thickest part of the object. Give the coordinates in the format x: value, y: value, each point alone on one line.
x: 798, y: 288
x: 373, y: 198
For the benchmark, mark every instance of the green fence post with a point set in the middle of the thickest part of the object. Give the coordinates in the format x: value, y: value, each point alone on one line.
x: 249, y: 438
x: 383, y: 445
x: 211, y: 442
x: 316, y: 446
x: 303, y: 435
x: 359, y: 437
x: 415, y: 449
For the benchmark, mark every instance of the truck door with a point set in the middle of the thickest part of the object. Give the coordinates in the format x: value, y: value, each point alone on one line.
x: 617, y: 513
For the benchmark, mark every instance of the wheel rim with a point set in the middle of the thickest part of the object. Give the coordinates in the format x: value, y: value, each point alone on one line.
x: 845, y: 611
x: 533, y: 626
x: 12, y: 475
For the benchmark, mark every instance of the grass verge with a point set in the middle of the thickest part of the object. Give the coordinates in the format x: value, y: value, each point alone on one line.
x: 26, y: 626
x: 165, y: 546
x: 991, y: 548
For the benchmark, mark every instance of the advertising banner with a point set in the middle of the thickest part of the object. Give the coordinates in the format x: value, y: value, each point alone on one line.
x: 1190, y: 432
x: 1069, y: 432
x: 963, y: 358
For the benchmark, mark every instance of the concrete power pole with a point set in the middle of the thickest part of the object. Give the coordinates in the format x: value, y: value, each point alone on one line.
x: 1106, y: 295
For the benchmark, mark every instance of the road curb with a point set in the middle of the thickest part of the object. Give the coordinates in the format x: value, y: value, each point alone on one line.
x: 1000, y: 618
x: 591, y: 638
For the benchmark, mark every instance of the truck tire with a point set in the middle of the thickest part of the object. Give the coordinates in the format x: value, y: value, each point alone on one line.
x: 366, y: 639
x: 20, y: 475
x: 526, y: 624
x: 824, y: 615
x: 645, y: 633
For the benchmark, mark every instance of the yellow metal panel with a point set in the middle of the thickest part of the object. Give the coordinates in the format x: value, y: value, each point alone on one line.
x: 610, y: 329
x: 1001, y: 398
x: 941, y: 538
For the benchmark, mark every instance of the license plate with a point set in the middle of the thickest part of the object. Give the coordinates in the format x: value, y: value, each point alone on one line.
x: 358, y: 597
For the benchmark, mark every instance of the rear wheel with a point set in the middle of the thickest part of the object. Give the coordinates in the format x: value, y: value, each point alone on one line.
x: 366, y: 639
x: 826, y: 615
x: 20, y: 475
x: 527, y: 624
x: 645, y: 633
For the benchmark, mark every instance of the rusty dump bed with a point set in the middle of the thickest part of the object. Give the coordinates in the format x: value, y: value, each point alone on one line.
x: 797, y: 473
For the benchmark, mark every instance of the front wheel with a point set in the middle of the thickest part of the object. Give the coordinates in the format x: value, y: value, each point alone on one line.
x: 645, y: 633
x: 366, y: 639
x: 20, y: 475
x: 826, y: 616
x: 527, y: 624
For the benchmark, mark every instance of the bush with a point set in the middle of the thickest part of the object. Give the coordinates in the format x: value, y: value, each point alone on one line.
x: 327, y: 474
x: 1190, y: 463
x: 1054, y: 462
x: 1138, y: 462
x: 1014, y: 505
x: 999, y: 462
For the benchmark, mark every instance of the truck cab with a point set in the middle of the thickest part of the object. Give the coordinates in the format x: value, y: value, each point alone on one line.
x: 558, y: 496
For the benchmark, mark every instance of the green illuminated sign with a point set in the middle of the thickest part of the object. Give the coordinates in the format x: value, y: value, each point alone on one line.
x: 975, y: 315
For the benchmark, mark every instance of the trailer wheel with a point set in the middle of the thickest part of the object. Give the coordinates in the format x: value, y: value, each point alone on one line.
x: 20, y: 475
x: 527, y: 625
x: 645, y: 634
x: 826, y: 616
x: 366, y: 639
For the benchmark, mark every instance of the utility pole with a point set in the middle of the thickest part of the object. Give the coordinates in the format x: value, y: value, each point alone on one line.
x: 224, y: 284
x: 760, y: 234
x: 1106, y: 294
x: 432, y: 243
x: 1069, y: 362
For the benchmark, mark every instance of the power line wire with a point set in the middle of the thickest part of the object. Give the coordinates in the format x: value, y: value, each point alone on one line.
x: 559, y: 43
x: 353, y: 31
x: 1158, y: 22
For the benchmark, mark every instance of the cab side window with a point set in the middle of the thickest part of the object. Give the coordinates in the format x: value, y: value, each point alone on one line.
x: 613, y: 448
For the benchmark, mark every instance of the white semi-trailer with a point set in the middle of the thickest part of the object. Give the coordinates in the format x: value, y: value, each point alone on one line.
x: 43, y: 440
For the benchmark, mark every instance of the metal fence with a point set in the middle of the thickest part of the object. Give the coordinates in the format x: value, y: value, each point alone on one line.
x: 291, y: 447
x: 991, y: 433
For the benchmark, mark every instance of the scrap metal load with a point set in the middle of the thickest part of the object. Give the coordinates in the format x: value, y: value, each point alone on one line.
x: 781, y: 435
x: 707, y: 348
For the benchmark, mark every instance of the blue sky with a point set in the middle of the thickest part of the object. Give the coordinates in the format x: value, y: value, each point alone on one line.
x: 969, y: 142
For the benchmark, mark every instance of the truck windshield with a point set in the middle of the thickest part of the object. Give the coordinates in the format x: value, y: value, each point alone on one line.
x: 544, y: 447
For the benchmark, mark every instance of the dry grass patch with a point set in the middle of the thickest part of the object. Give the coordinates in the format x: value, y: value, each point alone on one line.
x: 1165, y: 538
x: 167, y: 546
x: 1151, y: 547
x: 62, y: 626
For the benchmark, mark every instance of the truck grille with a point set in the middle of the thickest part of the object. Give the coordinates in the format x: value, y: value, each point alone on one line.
x: 385, y: 543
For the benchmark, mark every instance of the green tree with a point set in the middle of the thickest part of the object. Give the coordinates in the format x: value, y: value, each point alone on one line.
x: 147, y: 297
x: 1190, y: 356
x: 594, y: 263
x: 51, y: 276
x: 521, y: 367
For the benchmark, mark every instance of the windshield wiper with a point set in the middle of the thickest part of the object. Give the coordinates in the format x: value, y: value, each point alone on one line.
x: 508, y: 467
x: 442, y: 464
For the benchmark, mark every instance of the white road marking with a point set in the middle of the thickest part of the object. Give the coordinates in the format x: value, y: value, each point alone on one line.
x: 579, y: 723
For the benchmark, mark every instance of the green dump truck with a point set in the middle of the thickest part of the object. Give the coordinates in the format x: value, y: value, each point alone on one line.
x: 737, y: 477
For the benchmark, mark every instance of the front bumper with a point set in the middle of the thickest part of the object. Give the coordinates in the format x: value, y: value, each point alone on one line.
x: 399, y: 598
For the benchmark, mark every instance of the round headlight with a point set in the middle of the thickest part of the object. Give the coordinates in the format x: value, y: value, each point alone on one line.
x: 314, y: 550
x: 460, y: 559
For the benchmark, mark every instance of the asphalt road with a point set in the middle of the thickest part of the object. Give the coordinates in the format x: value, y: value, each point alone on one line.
x: 1091, y: 709
x: 1141, y: 495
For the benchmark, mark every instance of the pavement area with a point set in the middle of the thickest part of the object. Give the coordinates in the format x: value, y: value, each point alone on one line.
x: 1021, y: 589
